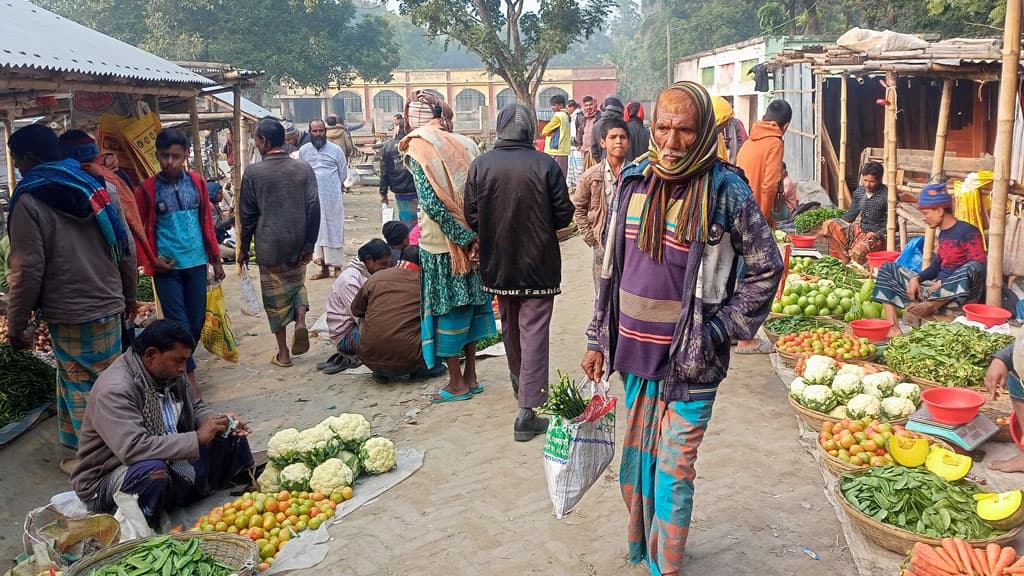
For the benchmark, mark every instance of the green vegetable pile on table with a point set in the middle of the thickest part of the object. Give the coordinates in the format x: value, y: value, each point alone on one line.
x: 565, y: 399
x: 26, y: 382
x: 796, y: 324
x: 144, y: 292
x: 833, y: 269
x: 917, y: 500
x: 807, y: 221
x: 165, y: 556
x: 485, y: 343
x: 946, y: 352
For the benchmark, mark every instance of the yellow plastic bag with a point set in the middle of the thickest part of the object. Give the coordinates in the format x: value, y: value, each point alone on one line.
x: 218, y: 336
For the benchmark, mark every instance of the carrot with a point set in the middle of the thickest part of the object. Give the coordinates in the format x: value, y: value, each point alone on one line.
x: 991, y: 555
x: 909, y: 572
x: 981, y: 562
x: 923, y: 568
x: 949, y: 546
x: 1006, y: 557
x: 1013, y: 570
x: 965, y: 555
x: 945, y: 558
x: 1019, y: 563
x: 928, y: 554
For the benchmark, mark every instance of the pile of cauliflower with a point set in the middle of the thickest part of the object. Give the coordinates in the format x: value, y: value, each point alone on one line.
x: 847, y: 392
x: 326, y: 457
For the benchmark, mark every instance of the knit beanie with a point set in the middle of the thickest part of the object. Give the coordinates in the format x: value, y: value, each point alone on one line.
x: 78, y: 145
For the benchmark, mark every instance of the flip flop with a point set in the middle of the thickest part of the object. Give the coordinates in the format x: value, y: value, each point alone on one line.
x: 761, y: 348
x: 334, y: 358
x: 443, y: 397
x: 300, y: 340
x: 342, y: 363
x: 278, y: 363
x: 479, y: 388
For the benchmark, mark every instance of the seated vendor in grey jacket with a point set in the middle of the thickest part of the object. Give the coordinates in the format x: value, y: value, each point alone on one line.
x: 146, y: 434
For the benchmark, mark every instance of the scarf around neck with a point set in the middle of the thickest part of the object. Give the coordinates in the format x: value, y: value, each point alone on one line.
x: 153, y: 415
x: 692, y: 171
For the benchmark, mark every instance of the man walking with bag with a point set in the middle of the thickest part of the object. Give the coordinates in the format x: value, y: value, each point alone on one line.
x: 520, y: 260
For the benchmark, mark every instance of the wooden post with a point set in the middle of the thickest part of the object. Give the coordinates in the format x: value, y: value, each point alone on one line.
x: 844, y: 190
x: 890, y: 158
x: 8, y: 130
x: 1003, y: 146
x: 937, y: 161
x: 237, y: 143
x: 247, y: 150
x: 197, y: 142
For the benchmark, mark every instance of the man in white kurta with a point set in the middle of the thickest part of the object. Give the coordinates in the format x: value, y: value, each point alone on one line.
x: 331, y: 167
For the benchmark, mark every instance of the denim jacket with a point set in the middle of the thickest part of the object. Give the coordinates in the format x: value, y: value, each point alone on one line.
x: 733, y: 277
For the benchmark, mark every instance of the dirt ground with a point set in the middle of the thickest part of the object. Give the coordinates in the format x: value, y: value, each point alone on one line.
x: 480, y: 499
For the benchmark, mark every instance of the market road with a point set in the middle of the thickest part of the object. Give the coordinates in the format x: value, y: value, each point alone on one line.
x: 480, y: 501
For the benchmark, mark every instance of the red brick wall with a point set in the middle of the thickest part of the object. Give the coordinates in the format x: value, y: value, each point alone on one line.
x: 599, y: 89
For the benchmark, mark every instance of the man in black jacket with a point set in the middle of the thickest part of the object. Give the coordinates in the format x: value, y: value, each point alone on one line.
x: 520, y: 260
x: 395, y: 176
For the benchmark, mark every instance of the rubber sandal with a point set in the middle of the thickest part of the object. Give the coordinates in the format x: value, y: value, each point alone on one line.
x: 326, y: 363
x: 443, y: 396
x: 300, y: 340
x: 344, y: 362
x: 761, y: 348
x: 278, y: 363
x: 479, y: 388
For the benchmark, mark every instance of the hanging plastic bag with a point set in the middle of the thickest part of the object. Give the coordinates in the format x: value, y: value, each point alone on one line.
x: 577, y: 452
x: 249, y: 299
x: 218, y: 336
x: 912, y: 256
x: 387, y: 213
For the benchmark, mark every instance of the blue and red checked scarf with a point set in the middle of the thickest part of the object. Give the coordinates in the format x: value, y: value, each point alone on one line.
x: 50, y: 182
x: 693, y: 170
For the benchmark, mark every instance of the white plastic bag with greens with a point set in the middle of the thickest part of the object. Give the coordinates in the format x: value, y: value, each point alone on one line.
x: 578, y: 450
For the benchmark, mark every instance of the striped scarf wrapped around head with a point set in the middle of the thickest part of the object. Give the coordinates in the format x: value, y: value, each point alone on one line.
x: 693, y: 170
x: 423, y: 107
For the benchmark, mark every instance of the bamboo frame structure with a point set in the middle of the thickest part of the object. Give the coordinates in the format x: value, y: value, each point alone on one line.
x: 890, y: 158
x: 236, y: 173
x: 844, y: 190
x: 197, y: 141
x: 1003, y: 151
x: 941, y: 131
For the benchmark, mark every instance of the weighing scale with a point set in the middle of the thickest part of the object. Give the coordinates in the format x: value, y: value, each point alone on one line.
x: 968, y: 436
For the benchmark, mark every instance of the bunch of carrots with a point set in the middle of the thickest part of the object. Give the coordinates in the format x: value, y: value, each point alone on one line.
x: 955, y: 557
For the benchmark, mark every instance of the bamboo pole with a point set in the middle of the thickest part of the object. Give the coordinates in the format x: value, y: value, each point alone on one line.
x: 236, y: 173
x: 890, y: 158
x: 8, y: 130
x: 1004, y: 143
x: 844, y: 190
x: 937, y: 161
x: 197, y: 142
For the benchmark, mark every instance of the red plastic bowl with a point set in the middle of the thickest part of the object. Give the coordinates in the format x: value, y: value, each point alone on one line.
x: 1015, y: 431
x: 876, y: 259
x: 873, y: 329
x: 952, y: 406
x: 802, y: 241
x: 988, y: 315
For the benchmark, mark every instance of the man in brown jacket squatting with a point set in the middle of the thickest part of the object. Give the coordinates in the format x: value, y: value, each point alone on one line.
x: 146, y: 434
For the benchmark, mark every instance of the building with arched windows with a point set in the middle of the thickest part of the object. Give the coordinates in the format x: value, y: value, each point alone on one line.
x: 474, y: 95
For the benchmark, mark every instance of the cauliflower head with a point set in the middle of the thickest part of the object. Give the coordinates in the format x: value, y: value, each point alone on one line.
x: 863, y: 406
x: 330, y: 477
x: 846, y: 386
x: 351, y: 429
x: 897, y: 407
x: 908, y: 390
x: 819, y: 398
x: 855, y: 369
x: 351, y: 460
x: 270, y: 479
x: 378, y: 455
x: 839, y: 412
x: 282, y: 448
x: 296, y: 477
x: 880, y: 384
x: 316, y: 444
x: 796, y: 387
x: 819, y: 370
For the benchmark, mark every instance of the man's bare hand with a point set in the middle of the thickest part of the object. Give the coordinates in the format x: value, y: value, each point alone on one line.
x: 162, y: 264
x: 242, y: 428
x: 995, y: 378
x: 218, y: 270
x: 210, y: 428
x: 474, y: 251
x: 914, y: 289
x: 131, y: 310
x: 593, y: 365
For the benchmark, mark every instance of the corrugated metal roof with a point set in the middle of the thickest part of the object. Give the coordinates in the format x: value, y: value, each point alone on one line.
x: 36, y: 39
x: 249, y: 108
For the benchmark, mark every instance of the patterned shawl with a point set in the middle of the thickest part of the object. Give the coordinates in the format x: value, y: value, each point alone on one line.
x: 693, y: 170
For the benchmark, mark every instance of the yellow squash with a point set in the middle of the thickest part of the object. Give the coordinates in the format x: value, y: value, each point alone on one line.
x: 1002, y: 511
x: 947, y: 464
x: 909, y: 452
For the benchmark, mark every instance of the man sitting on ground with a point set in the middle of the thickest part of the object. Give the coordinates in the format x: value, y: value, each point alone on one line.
x: 850, y: 241
x: 396, y: 234
x: 389, y: 333
x: 146, y: 434
x: 342, y: 326
x: 957, y: 271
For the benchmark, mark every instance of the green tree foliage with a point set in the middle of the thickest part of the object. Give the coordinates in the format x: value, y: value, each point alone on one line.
x: 513, y: 42
x: 308, y: 42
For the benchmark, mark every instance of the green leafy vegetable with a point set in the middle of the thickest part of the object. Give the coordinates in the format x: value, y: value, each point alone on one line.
x: 26, y: 382
x: 144, y: 292
x: 834, y: 270
x: 565, y: 399
x: 946, y: 352
x: 807, y: 221
x: 165, y: 555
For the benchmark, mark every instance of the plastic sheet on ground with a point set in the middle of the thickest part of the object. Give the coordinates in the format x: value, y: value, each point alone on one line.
x: 873, y: 560
x: 11, y: 431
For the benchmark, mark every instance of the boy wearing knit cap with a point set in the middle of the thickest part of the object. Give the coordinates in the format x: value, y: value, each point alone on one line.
x: 957, y: 271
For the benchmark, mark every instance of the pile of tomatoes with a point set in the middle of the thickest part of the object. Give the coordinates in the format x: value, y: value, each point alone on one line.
x: 826, y: 342
x: 860, y: 442
x: 271, y: 520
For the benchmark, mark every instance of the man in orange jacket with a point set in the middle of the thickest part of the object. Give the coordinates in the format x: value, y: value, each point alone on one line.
x: 760, y: 158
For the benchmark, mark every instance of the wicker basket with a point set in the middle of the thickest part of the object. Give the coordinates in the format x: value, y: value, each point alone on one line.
x: 838, y: 467
x: 236, y: 551
x: 789, y: 359
x: 839, y: 326
x: 816, y: 419
x: 898, y: 540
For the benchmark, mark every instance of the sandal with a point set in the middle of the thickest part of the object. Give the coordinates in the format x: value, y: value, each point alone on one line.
x: 479, y: 388
x: 344, y: 362
x: 300, y: 340
x: 276, y: 362
x: 762, y: 347
x: 443, y: 396
x: 327, y: 363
